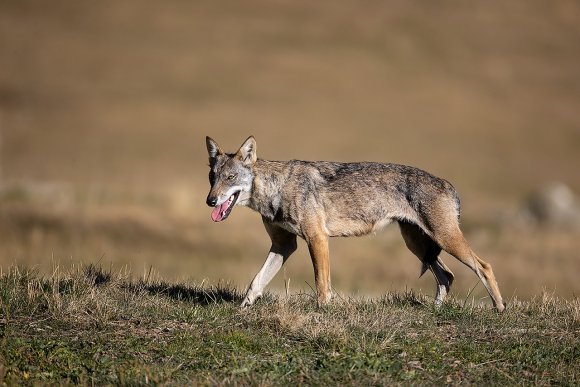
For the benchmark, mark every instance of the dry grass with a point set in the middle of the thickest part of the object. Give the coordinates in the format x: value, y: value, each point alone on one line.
x: 91, y: 326
x: 104, y: 106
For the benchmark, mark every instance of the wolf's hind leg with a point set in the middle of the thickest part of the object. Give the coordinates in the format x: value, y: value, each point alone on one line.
x: 428, y: 251
x: 283, y: 245
x: 452, y: 241
x: 444, y: 278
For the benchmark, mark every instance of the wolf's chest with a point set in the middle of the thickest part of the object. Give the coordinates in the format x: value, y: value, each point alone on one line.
x: 282, y: 216
x: 291, y: 227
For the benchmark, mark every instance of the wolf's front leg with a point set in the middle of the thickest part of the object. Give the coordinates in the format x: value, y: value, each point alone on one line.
x: 272, y: 265
x: 318, y: 246
x: 283, y: 245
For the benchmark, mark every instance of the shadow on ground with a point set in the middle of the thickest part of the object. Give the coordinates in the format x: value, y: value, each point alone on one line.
x: 193, y: 294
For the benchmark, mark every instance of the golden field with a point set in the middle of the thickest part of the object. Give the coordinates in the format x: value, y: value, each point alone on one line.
x: 104, y: 107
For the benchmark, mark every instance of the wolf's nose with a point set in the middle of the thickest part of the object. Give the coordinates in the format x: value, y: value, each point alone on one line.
x: 211, y: 201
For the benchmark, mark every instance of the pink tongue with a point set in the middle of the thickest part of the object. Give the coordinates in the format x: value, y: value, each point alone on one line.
x: 216, y: 214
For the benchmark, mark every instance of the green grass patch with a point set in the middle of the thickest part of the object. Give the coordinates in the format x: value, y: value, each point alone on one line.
x: 94, y: 327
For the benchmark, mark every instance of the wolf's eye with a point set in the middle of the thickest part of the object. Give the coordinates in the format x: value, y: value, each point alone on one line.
x: 232, y: 177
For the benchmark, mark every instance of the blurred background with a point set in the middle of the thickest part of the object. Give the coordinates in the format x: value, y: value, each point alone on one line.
x: 105, y: 105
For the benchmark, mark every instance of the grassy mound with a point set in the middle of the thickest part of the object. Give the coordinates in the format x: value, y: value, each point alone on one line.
x: 90, y: 326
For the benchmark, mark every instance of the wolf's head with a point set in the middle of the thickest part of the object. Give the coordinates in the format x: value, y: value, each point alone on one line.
x: 230, y: 176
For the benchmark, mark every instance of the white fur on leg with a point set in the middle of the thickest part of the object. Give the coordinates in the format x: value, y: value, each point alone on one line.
x: 440, y: 296
x: 324, y: 298
x: 272, y: 265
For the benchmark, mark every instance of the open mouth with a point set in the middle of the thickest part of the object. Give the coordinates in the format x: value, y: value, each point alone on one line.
x: 222, y: 211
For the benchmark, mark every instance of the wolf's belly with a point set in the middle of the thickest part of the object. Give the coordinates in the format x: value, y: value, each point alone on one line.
x: 355, y: 227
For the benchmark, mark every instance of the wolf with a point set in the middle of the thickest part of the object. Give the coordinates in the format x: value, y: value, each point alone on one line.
x: 316, y: 200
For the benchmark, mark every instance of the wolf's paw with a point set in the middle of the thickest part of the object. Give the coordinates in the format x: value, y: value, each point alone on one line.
x: 501, y: 308
x: 249, y: 300
x: 324, y: 299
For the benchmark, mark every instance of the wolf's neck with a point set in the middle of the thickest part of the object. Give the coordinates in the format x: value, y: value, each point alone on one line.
x: 269, y: 180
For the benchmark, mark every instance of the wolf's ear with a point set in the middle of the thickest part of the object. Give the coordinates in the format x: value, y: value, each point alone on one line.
x: 247, y: 152
x: 213, y: 149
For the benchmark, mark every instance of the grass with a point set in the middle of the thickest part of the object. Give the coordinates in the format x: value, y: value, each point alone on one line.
x: 91, y: 326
